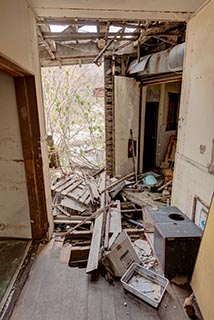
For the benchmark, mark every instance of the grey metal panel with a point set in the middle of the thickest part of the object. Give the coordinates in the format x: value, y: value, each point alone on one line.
x: 176, y: 57
x: 136, y: 66
x: 161, y: 62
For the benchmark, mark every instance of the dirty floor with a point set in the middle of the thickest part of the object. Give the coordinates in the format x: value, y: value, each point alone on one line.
x: 11, y: 256
x: 57, y: 292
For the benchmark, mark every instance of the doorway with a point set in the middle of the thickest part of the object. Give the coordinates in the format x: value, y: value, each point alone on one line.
x: 150, y: 135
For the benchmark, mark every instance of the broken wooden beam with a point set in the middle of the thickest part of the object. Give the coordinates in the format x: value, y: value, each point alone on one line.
x: 118, y: 181
x: 94, y: 215
x: 74, y: 204
x: 66, y: 221
x: 94, y: 253
x: 78, y: 235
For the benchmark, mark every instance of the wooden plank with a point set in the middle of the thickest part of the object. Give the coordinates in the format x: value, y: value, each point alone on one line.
x: 63, y: 211
x: 11, y: 67
x: 84, y: 196
x: 112, y: 239
x: 75, y: 194
x: 70, y: 221
x: 73, y: 204
x: 31, y: 147
x: 67, y: 184
x: 94, y: 215
x: 93, y: 187
x: 116, y: 189
x: 94, y: 253
x: 60, y: 183
x: 79, y: 235
x: 141, y: 199
x: 128, y: 176
x: 72, y: 187
x: 107, y: 227
x: 115, y: 218
x: 136, y: 231
x: 71, y: 217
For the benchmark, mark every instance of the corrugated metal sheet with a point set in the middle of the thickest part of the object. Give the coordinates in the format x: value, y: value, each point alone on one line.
x: 170, y: 60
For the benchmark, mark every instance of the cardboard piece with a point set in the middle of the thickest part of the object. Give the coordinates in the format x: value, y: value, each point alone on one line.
x: 121, y: 256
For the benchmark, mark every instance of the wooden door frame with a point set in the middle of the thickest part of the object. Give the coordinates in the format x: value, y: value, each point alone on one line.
x: 28, y: 117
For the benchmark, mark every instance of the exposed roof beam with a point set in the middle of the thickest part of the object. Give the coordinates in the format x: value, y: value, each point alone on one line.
x: 68, y: 21
x: 56, y: 36
x: 80, y: 50
x: 47, y: 44
x: 65, y: 62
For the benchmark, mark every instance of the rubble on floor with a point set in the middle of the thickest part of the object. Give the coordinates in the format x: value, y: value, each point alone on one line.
x: 100, y: 220
x: 92, y: 210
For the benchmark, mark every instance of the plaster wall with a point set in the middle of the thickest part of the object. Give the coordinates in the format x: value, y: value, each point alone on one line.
x: 127, y: 94
x: 19, y: 44
x: 14, y: 206
x: 196, y: 118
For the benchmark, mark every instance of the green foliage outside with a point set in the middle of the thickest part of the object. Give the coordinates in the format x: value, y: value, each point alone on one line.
x: 74, y: 115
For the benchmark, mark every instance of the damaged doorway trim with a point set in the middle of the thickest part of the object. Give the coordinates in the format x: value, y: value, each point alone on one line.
x: 30, y: 137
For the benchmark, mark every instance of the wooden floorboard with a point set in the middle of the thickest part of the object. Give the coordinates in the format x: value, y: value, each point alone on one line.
x: 55, y: 291
x: 12, y: 253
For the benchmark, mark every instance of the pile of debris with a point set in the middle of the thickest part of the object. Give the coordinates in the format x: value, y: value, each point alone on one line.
x: 101, y: 218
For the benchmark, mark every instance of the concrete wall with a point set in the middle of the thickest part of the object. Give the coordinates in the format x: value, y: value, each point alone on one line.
x: 196, y: 119
x: 19, y: 43
x: 14, y: 207
x: 127, y: 93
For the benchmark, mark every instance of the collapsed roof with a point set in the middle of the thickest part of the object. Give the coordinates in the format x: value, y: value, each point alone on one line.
x: 67, y: 41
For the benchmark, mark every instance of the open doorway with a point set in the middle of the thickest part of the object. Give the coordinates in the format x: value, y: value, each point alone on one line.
x: 150, y: 135
x: 160, y: 125
x: 22, y: 199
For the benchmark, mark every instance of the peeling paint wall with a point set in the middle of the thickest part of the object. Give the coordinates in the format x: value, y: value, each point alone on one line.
x: 14, y: 207
x: 127, y: 94
x: 19, y: 44
x: 196, y: 119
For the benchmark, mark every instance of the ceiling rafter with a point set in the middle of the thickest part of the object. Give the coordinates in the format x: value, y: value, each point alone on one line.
x: 73, y: 43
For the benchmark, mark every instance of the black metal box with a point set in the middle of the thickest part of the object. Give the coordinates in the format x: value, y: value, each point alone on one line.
x: 162, y: 214
x: 176, y: 241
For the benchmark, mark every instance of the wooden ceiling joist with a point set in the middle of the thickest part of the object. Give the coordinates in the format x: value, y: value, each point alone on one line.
x: 68, y: 21
x: 73, y: 44
x: 56, y: 36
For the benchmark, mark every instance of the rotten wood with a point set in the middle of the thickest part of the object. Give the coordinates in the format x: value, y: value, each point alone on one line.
x: 128, y: 176
x: 115, y: 218
x: 74, y: 185
x: 31, y: 145
x: 66, y: 221
x: 94, y: 253
x: 73, y: 204
x: 165, y: 185
x: 94, y: 215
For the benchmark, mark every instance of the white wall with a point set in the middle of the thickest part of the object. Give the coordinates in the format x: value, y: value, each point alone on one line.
x: 19, y: 44
x: 196, y: 119
x: 163, y: 135
x: 127, y: 93
x: 135, y: 9
x: 14, y: 207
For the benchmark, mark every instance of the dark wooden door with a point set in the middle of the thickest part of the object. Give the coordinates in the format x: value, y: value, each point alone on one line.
x: 150, y: 135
